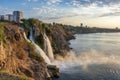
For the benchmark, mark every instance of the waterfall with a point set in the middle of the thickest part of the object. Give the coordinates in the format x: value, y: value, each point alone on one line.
x: 37, y: 48
x: 31, y: 37
x: 26, y: 37
x: 42, y: 53
x: 47, y: 47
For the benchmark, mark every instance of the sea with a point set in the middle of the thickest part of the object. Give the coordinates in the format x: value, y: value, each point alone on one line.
x: 94, y: 56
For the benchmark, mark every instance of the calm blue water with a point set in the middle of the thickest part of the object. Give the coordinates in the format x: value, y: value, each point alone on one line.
x: 96, y: 57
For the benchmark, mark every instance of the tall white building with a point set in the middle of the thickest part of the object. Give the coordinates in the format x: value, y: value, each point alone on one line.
x: 6, y: 17
x: 10, y: 17
x: 3, y: 17
x: 17, y: 16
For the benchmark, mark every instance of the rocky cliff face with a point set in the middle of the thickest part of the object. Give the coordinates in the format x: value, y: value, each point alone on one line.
x: 58, y: 34
x: 59, y: 38
x: 17, y: 56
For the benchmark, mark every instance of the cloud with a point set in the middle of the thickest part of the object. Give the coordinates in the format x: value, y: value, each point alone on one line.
x: 112, y: 10
x: 44, y: 11
x: 51, y: 2
x: 54, y: 1
x: 26, y: 2
x: 61, y: 16
x: 23, y: 4
x: 50, y: 13
x: 4, y: 10
x: 77, y: 10
x: 91, y: 11
x: 110, y: 14
x: 32, y: 0
x: 79, y: 3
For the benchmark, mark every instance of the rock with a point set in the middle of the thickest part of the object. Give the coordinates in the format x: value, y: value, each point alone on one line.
x: 17, y: 36
x: 54, y: 71
x: 48, y: 75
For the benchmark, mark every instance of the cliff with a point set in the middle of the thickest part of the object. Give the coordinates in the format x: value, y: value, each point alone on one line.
x: 87, y: 30
x: 59, y: 38
x: 18, y: 59
x: 58, y: 34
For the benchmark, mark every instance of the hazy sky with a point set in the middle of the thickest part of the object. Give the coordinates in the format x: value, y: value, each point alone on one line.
x: 98, y: 13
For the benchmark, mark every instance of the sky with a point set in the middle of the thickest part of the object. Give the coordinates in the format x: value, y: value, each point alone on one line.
x: 94, y: 13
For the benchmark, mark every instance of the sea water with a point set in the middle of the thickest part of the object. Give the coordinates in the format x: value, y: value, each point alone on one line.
x: 93, y: 56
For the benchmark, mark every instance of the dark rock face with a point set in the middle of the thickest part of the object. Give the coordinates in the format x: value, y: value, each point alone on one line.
x: 54, y: 71
x: 17, y: 37
x: 37, y: 31
x: 60, y: 37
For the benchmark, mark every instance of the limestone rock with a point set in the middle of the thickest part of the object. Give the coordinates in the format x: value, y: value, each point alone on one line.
x: 54, y: 71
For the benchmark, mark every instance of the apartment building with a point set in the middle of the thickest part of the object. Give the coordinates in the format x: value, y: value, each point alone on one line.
x: 16, y: 16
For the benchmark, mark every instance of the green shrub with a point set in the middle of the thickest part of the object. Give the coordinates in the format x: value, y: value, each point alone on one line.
x: 8, y: 76
x: 36, y: 56
x: 33, y: 54
x: 39, y: 40
x: 1, y: 32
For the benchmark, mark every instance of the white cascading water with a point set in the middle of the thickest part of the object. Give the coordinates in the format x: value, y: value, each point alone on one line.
x: 48, y: 48
x: 26, y: 37
x: 42, y: 53
x: 31, y: 37
x: 38, y: 49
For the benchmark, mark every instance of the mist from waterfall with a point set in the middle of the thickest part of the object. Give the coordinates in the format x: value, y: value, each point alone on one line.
x: 91, y: 49
x: 93, y: 57
x: 47, y: 47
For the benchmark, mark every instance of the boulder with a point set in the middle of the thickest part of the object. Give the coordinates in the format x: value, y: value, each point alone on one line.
x: 54, y: 71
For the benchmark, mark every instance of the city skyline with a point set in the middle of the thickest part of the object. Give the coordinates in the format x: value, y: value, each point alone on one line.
x: 94, y: 13
x: 15, y: 16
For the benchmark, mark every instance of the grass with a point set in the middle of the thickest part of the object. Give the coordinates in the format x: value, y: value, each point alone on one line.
x: 36, y: 56
x: 33, y: 54
x: 1, y: 32
x: 7, y: 76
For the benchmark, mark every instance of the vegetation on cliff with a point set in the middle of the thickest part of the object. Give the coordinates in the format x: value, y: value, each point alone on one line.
x: 1, y: 32
x: 57, y: 33
x: 9, y: 76
x: 86, y: 30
